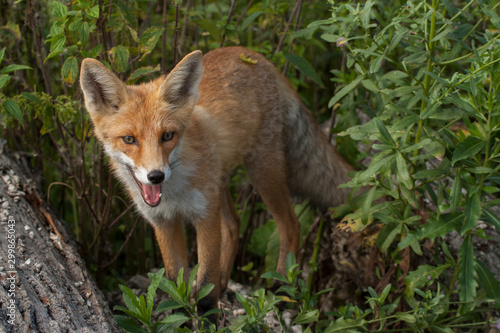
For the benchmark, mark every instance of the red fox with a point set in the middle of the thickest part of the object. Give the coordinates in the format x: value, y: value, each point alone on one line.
x: 174, y: 142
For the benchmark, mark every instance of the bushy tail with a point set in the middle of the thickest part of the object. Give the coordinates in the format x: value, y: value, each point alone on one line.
x: 315, y: 168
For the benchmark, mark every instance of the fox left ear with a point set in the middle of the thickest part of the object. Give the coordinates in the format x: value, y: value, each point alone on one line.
x: 181, y: 85
x: 104, y: 92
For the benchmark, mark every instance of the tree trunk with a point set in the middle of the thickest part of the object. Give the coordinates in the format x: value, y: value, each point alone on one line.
x: 45, y: 285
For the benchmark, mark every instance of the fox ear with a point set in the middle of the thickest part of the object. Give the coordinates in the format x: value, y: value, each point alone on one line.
x: 103, y: 91
x: 181, y: 85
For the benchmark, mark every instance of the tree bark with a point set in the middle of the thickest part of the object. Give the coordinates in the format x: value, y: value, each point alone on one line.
x: 45, y: 285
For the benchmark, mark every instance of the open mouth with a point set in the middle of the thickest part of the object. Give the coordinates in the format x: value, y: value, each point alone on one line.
x: 150, y: 193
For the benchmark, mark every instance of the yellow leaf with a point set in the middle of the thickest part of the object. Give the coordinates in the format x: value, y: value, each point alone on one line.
x: 248, y: 59
x: 286, y: 299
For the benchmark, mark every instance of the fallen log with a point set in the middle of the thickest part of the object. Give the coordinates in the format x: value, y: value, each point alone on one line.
x: 45, y: 285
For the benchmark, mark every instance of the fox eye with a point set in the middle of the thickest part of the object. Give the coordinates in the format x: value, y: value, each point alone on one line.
x: 130, y: 140
x: 167, y: 136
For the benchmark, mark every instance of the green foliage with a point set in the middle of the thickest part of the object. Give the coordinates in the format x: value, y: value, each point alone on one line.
x: 140, y: 309
x: 417, y: 82
x: 428, y: 314
x: 430, y: 73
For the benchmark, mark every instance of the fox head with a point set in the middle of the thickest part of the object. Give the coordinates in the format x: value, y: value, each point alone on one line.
x: 142, y: 126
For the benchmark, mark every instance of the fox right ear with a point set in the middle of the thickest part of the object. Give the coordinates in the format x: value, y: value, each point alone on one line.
x: 180, y: 88
x: 103, y: 90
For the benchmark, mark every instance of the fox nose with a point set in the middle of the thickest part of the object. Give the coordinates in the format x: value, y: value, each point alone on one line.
x: 156, y: 177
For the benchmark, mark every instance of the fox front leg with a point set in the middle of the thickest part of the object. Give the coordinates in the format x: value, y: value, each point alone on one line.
x: 172, y: 242
x: 208, y: 235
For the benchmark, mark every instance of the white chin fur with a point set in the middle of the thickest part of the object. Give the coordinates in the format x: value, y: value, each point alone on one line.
x: 178, y: 198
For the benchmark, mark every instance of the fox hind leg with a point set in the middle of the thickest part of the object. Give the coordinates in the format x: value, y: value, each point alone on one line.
x: 230, y: 230
x: 267, y: 172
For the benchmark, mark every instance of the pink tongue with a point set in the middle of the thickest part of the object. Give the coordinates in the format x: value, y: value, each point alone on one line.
x: 151, y: 194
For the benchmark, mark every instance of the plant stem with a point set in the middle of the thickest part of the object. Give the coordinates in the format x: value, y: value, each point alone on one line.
x: 176, y: 32
x: 229, y: 16
x: 427, y: 79
x: 164, y: 38
x: 314, y: 259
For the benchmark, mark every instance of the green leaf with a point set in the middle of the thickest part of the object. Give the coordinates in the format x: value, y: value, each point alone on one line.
x: 191, y: 279
x: 249, y: 20
x: 492, y: 218
x: 180, y: 278
x: 94, y: 53
x: 373, y: 168
x: 143, y: 71
x: 14, y: 110
x: 385, y: 136
x: 204, y: 292
x: 467, y: 271
x: 304, y: 67
x: 403, y: 170
x: 422, y: 275
x: 274, y: 276
x: 59, y: 10
x: 120, y: 58
x: 290, y: 262
x: 369, y: 85
x: 155, y: 282
x: 443, y: 34
x: 131, y: 301
x: 487, y: 281
x: 3, y: 80
x: 93, y: 12
x: 83, y: 32
x: 308, y: 317
x: 404, y: 316
x: 209, y: 26
x: 344, y: 91
x: 128, y: 13
x: 456, y: 192
x: 437, y: 78
x: 57, y: 43
x: 394, y: 76
x: 428, y: 174
x: 430, y: 110
x: 376, y: 64
x: 209, y: 312
x: 175, y: 318
x: 74, y: 25
x: 417, y: 146
x: 472, y: 212
x: 461, y: 102
x: 69, y: 71
x: 149, y: 39
x: 129, y: 325
x: 168, y: 305
x: 12, y: 68
x: 33, y: 98
x: 2, y: 54
x: 387, y: 235
x: 471, y: 146
x: 259, y: 238
x: 345, y: 325
x: 445, y: 224
x: 481, y: 170
x: 244, y: 302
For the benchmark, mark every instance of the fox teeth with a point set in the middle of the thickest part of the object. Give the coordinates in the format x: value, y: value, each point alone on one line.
x: 146, y: 196
x: 159, y: 195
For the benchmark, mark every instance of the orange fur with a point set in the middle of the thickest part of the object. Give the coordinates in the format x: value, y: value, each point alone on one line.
x: 233, y: 113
